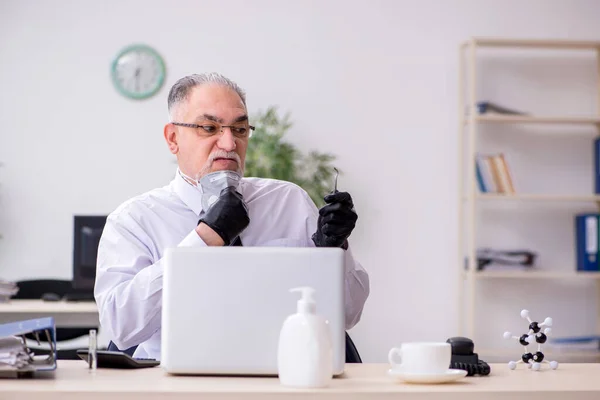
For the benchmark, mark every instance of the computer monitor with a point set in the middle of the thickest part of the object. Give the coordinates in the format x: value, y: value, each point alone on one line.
x: 87, y: 232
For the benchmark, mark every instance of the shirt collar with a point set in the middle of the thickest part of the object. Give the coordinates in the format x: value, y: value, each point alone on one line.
x: 188, y: 193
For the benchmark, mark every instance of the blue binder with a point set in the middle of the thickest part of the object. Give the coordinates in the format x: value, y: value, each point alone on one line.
x: 586, y: 241
x: 44, y: 328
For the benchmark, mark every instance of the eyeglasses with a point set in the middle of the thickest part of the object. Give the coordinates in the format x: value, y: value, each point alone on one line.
x: 240, y: 131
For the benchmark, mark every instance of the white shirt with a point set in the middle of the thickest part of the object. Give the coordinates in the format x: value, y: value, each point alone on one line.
x: 129, y: 273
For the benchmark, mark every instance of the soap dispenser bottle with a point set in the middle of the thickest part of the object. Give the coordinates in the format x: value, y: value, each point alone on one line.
x: 305, y: 355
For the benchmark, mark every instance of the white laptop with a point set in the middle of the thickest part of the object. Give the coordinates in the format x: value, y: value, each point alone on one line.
x: 223, y: 307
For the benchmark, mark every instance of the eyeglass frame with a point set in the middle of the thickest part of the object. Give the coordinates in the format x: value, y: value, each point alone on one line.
x: 198, y: 126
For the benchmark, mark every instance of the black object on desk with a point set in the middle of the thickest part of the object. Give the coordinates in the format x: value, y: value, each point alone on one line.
x: 118, y: 360
x: 79, y: 296
x: 463, y: 357
x: 50, y: 296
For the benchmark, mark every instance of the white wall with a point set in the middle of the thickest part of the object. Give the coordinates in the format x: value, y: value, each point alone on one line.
x: 373, y: 81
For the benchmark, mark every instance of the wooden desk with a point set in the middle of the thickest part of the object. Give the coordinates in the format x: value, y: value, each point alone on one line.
x: 66, y: 314
x: 72, y: 380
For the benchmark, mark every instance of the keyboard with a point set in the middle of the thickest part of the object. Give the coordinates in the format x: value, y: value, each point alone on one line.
x: 79, y: 296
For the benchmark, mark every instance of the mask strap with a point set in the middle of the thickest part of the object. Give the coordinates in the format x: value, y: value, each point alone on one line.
x: 188, y: 179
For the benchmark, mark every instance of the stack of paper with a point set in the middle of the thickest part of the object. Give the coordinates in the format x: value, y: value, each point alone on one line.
x: 13, y: 353
x: 7, y: 290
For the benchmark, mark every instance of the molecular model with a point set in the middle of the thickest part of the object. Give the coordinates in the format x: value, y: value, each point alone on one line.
x: 535, y: 360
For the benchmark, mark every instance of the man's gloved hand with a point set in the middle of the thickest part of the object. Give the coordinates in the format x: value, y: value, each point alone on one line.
x: 336, y: 221
x: 228, y: 216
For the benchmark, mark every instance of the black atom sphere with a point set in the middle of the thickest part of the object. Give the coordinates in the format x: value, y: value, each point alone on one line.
x: 541, y: 338
x: 523, y: 340
x: 534, y: 327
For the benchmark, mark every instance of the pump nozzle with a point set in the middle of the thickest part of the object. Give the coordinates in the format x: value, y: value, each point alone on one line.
x: 306, y: 305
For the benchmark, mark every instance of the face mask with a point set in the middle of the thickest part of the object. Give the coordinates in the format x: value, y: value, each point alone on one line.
x: 212, y: 184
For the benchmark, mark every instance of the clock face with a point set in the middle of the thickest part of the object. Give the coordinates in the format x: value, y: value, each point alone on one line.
x: 138, y: 72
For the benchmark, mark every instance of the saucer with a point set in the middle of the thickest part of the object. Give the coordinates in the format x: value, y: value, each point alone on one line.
x: 413, y: 377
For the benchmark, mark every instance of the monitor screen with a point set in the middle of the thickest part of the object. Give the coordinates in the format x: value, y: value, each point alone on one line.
x: 87, y: 232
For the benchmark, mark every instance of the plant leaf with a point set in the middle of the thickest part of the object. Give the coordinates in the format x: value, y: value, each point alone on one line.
x: 270, y: 156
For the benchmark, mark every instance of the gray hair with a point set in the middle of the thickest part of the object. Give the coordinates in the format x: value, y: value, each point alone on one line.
x: 181, y: 89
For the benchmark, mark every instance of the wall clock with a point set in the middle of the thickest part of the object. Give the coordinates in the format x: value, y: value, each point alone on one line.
x: 138, y: 71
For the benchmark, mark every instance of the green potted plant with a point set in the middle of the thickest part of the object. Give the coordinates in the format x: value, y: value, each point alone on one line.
x: 270, y: 156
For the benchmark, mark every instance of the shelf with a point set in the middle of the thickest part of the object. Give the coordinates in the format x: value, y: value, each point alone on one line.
x: 561, y: 355
x: 529, y: 119
x: 535, y: 43
x: 536, y: 274
x: 536, y: 197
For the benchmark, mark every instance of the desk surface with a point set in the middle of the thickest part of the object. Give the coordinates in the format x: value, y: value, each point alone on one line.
x: 72, y: 380
x: 53, y: 307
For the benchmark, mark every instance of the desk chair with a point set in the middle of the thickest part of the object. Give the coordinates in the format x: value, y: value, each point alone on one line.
x: 113, y: 347
x: 33, y: 290
x: 352, y: 355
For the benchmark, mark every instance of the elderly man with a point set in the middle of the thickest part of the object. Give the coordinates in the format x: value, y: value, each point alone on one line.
x: 208, y: 203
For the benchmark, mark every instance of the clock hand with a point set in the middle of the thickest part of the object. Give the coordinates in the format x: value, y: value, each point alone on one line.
x: 137, y: 79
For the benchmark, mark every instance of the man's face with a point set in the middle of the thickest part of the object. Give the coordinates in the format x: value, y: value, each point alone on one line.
x: 207, y: 149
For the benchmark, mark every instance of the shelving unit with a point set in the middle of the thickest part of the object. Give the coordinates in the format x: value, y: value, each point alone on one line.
x: 470, y: 197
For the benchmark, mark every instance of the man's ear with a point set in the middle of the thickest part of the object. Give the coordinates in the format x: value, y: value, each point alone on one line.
x: 170, y: 133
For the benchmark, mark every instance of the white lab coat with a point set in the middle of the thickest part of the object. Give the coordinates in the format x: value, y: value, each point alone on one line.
x: 128, y: 287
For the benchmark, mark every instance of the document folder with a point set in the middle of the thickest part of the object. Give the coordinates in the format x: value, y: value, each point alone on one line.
x: 16, y: 358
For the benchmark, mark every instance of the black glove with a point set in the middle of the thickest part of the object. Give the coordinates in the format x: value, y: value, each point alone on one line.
x: 228, y: 216
x: 336, y: 221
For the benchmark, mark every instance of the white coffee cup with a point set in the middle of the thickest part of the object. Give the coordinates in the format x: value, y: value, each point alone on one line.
x: 421, y: 357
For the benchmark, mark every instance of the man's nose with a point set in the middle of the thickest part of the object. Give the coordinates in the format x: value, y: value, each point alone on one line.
x: 226, y: 141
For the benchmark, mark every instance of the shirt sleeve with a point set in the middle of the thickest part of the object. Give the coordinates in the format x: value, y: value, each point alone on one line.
x: 356, y: 290
x: 128, y: 287
x: 357, y: 285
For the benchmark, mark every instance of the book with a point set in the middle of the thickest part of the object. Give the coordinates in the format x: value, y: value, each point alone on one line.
x: 505, y: 174
x: 493, y: 174
x: 586, y: 241
x: 482, y: 181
